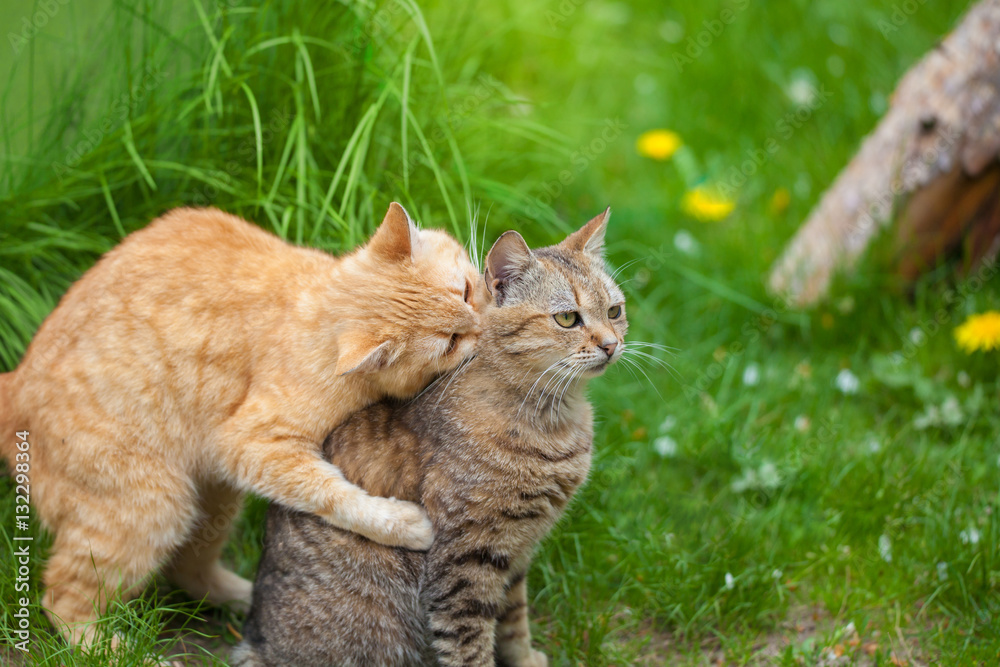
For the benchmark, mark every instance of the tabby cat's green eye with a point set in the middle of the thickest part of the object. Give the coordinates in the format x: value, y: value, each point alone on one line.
x: 614, y: 312
x: 566, y: 319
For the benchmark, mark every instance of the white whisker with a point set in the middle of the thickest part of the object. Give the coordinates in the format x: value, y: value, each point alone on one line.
x: 570, y: 383
x: 473, y: 246
x: 433, y: 384
x: 636, y: 357
x: 482, y: 248
x: 542, y: 393
x: 625, y: 266
x: 646, y: 355
x: 627, y: 367
x: 563, y: 381
x: 458, y: 371
x: 639, y: 368
x: 535, y: 383
x: 656, y: 346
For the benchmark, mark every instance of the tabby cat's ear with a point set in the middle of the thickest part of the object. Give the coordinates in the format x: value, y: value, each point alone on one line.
x: 395, y: 237
x: 590, y: 237
x: 506, y: 262
x: 359, y: 353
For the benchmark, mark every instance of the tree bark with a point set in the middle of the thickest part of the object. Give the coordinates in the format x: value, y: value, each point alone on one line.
x: 929, y: 171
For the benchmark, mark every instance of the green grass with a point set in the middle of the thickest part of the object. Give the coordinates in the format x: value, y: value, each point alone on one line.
x: 722, y: 517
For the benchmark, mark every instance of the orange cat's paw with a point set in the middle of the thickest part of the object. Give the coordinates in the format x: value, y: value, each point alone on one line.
x: 407, y: 525
x: 395, y: 523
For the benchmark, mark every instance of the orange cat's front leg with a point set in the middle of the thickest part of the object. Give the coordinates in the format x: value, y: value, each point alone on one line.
x: 289, y: 470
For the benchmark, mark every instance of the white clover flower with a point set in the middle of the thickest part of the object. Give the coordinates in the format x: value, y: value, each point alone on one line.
x: 928, y: 418
x: 668, y: 424
x: 970, y: 536
x: 885, y: 548
x: 751, y: 375
x: 665, y: 446
x: 686, y: 243
x: 951, y: 412
x: 801, y: 89
x: 942, y: 571
x: 747, y: 480
x: 802, y: 423
x: 873, y: 445
x: 917, y: 336
x: 847, y: 382
x: 766, y: 477
x: 776, y: 574
x: 769, y: 476
x: 730, y: 582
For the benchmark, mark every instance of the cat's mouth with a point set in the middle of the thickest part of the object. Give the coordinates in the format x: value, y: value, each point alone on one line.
x: 599, y: 367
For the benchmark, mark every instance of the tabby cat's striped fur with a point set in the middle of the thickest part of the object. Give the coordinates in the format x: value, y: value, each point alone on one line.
x: 494, y: 453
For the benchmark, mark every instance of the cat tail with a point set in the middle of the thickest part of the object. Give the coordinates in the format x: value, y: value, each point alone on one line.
x: 7, y: 438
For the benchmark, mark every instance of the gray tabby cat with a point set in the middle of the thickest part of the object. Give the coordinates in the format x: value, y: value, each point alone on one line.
x: 494, y: 453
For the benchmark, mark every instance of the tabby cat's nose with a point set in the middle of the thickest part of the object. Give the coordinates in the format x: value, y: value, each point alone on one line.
x: 609, y: 348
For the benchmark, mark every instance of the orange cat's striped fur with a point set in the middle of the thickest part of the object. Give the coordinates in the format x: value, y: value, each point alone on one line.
x: 494, y: 452
x: 203, y: 358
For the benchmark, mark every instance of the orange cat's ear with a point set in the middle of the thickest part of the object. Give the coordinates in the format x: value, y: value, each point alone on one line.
x: 590, y: 237
x: 359, y: 353
x: 395, y: 237
x: 507, y: 261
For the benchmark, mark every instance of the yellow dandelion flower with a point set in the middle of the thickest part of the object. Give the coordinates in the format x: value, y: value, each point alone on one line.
x: 979, y: 332
x: 658, y: 144
x: 706, y: 205
x: 780, y: 201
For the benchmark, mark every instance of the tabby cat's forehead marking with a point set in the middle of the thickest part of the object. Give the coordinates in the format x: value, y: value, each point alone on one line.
x: 588, y: 284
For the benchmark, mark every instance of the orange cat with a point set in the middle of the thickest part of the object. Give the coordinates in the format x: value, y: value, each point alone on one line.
x: 203, y: 358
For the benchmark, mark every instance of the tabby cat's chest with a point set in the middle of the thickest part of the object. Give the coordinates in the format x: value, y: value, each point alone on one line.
x: 538, y: 473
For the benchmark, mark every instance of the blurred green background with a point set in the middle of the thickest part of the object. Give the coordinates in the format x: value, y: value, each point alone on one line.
x: 801, y: 488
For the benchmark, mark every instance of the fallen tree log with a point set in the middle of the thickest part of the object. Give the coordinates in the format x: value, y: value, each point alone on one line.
x: 929, y: 171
